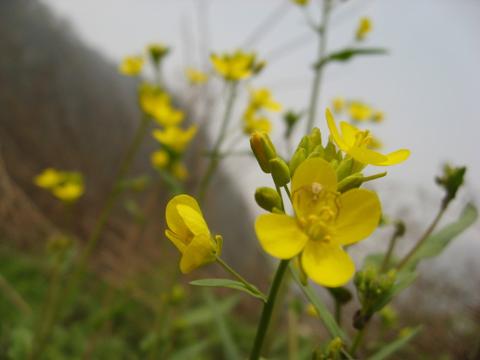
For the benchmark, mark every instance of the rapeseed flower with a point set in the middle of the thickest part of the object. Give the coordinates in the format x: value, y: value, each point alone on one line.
x: 324, y: 221
x: 253, y: 120
x: 338, y: 104
x: 67, y: 186
x: 131, y: 65
x: 357, y: 143
x: 175, y: 138
x: 48, y: 178
x: 157, y: 104
x: 253, y: 123
x: 189, y: 232
x: 68, y: 191
x: 236, y: 66
x: 359, y: 111
x: 301, y: 2
x: 196, y: 77
x: 262, y: 99
x: 160, y: 159
x: 364, y: 27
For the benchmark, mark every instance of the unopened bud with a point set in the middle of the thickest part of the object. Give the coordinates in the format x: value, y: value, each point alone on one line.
x: 280, y: 171
x: 268, y: 198
x: 350, y: 182
x: 298, y: 157
x: 263, y: 150
x: 315, y: 137
x: 157, y: 52
x: 344, y: 169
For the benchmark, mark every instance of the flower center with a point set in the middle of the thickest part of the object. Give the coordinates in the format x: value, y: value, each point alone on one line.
x: 362, y: 138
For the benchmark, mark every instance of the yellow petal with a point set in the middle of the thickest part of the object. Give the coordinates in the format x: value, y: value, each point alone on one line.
x: 367, y: 156
x: 349, y: 133
x: 315, y: 170
x: 327, y: 265
x: 174, y: 220
x: 279, y: 235
x: 199, y: 252
x: 396, y: 157
x: 358, y: 216
x: 334, y: 132
x: 193, y: 218
x: 176, y: 240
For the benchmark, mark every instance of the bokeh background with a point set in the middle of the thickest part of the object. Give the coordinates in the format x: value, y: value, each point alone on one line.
x: 63, y: 104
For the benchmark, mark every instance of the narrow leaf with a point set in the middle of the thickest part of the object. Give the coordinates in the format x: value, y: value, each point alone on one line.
x: 203, y: 315
x: 231, y: 284
x: 192, y: 351
x: 325, y: 315
x: 349, y: 53
x: 395, y: 345
x: 436, y: 243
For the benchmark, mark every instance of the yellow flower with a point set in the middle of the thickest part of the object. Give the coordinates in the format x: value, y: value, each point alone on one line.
x: 338, y: 104
x: 364, y: 27
x: 175, y: 138
x: 69, y: 191
x: 160, y: 159
x: 252, y: 123
x: 324, y: 222
x: 301, y: 2
x: 262, y: 99
x: 131, y: 65
x: 196, y: 77
x: 157, y: 104
x: 378, y: 116
x: 190, y: 234
x: 359, y: 111
x: 48, y: 178
x: 236, y: 66
x: 179, y: 171
x: 356, y: 143
x: 374, y: 143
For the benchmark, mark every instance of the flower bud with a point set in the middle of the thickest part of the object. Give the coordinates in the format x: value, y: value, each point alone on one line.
x: 263, y: 150
x: 315, y: 137
x: 344, y: 169
x: 350, y: 182
x: 280, y: 171
x: 298, y: 157
x: 157, y: 52
x: 268, y: 198
x: 451, y: 180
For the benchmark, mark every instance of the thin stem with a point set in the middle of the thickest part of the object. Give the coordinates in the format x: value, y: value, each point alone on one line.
x: 215, y: 155
x: 239, y: 277
x: 279, y: 191
x: 338, y: 312
x: 288, y: 192
x: 14, y: 297
x: 317, y: 80
x: 357, y: 341
x: 425, y: 235
x: 267, y: 310
x: 391, y: 247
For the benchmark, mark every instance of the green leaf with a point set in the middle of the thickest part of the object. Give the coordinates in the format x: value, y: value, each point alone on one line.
x: 436, y: 243
x: 404, y: 280
x: 325, y: 315
x: 395, y: 345
x: 193, y: 351
x: 231, y: 284
x: 349, y: 53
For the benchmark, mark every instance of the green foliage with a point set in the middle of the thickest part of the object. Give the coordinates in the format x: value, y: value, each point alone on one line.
x: 231, y: 284
x: 348, y: 54
x: 396, y: 345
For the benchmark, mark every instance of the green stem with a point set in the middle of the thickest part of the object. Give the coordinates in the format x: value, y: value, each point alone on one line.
x: 240, y: 278
x: 338, y: 312
x: 391, y: 247
x: 317, y: 80
x: 357, y: 341
x: 14, y: 297
x: 267, y: 310
x: 215, y: 154
x: 288, y: 192
x: 425, y: 235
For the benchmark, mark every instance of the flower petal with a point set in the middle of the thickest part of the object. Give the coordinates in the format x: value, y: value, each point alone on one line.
x: 327, y: 265
x: 280, y: 235
x: 194, y: 220
x: 334, y: 132
x: 176, y: 240
x: 349, y: 133
x: 174, y: 220
x: 358, y: 217
x: 396, y: 157
x: 199, y: 252
x: 315, y: 170
x: 367, y: 156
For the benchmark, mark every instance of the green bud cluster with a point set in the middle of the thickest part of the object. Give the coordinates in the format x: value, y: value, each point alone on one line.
x: 451, y: 180
x: 372, y: 287
x: 332, y: 351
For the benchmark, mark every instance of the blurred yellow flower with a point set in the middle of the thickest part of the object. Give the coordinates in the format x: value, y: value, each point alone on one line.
x: 252, y: 123
x: 338, y: 104
x: 160, y: 159
x: 190, y: 234
x: 359, y: 111
x: 68, y: 191
x: 131, y: 65
x: 356, y: 143
x: 157, y: 104
x: 175, y: 138
x: 262, y: 99
x: 179, y: 171
x: 196, y: 77
x: 364, y: 27
x: 48, y: 178
x: 236, y: 66
x: 301, y: 2
x: 378, y: 116
x: 311, y: 311
x: 324, y: 222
